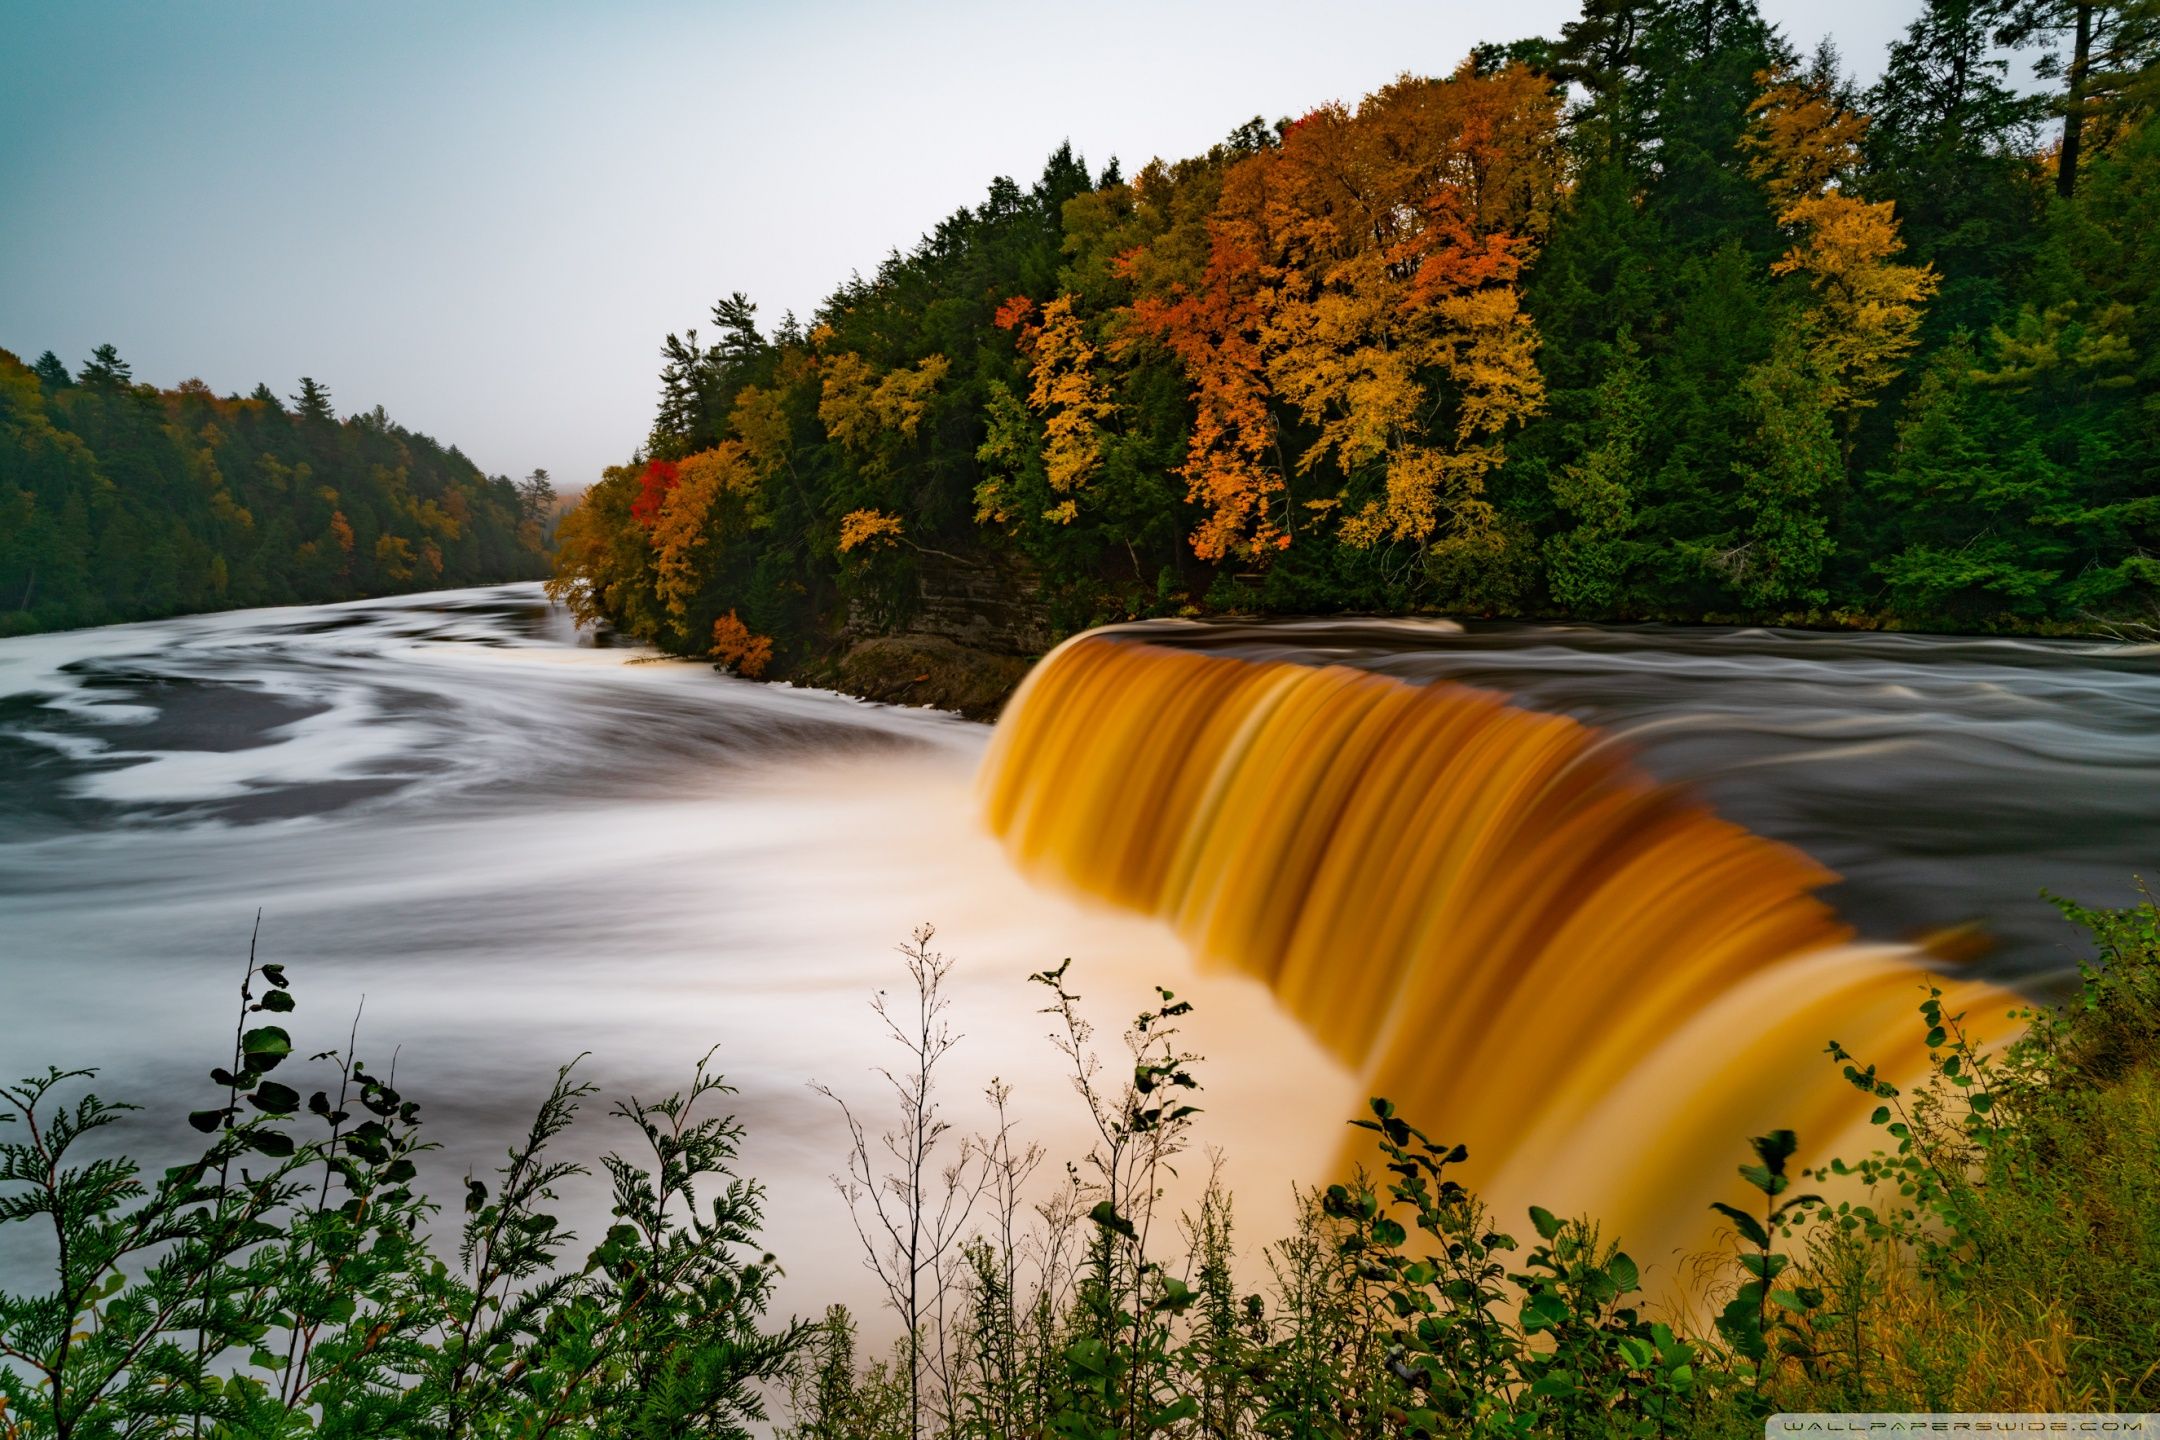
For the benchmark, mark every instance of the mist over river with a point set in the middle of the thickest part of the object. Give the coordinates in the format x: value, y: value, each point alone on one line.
x: 519, y: 845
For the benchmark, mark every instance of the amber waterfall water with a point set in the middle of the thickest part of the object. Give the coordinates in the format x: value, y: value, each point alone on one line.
x: 1490, y: 914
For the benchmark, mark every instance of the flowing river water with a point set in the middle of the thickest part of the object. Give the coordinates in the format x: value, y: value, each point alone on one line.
x: 519, y: 846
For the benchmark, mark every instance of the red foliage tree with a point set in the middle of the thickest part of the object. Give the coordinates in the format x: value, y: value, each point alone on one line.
x: 660, y: 477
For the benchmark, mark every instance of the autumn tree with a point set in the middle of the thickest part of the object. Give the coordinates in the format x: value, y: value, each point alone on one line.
x: 1398, y: 332
x: 1074, y: 404
x: 873, y: 416
x: 1864, y: 308
x: 715, y: 496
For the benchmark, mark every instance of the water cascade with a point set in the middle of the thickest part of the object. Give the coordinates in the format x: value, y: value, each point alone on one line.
x: 1491, y: 915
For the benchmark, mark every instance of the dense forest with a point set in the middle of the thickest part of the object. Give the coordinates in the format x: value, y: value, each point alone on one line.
x: 121, y: 501
x: 1660, y: 318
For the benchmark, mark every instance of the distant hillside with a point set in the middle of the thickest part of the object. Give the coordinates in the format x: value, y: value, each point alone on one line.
x: 121, y: 501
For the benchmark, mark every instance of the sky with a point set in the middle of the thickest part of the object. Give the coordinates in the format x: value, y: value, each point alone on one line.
x: 484, y: 217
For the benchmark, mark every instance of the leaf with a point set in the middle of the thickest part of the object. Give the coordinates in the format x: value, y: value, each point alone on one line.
x: 1184, y: 1408
x: 206, y: 1120
x: 1544, y: 1311
x: 265, y: 1047
x: 274, y: 1099
x: 1105, y: 1214
x: 277, y: 1000
x: 1748, y: 1226
x: 271, y: 1143
x: 1623, y: 1272
x: 1548, y: 1225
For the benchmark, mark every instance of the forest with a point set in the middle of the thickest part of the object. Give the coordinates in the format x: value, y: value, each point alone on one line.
x: 1659, y: 318
x: 120, y: 501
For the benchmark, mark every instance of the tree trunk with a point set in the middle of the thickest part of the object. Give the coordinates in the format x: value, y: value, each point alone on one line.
x: 2074, y: 103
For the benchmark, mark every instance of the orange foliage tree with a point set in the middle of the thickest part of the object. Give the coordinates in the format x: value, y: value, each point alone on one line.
x: 1363, y: 277
x: 734, y: 645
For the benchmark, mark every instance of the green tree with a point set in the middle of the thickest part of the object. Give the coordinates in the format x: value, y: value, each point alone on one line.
x: 51, y: 373
x: 2103, y: 53
x: 1789, y: 481
x: 313, y: 401
x: 1588, y: 564
x: 105, y: 371
x: 1951, y: 141
x: 1975, y: 509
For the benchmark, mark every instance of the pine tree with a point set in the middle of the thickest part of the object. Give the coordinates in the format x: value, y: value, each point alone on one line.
x: 1789, y: 481
x: 51, y: 372
x: 313, y: 401
x: 1588, y: 564
x: 1951, y: 142
x: 1972, y: 502
x: 105, y: 370
x: 2104, y: 53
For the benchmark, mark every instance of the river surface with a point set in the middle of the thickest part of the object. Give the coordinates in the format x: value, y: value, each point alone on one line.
x: 519, y: 846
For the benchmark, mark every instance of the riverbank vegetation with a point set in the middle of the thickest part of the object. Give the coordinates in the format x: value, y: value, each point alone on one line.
x: 1999, y: 1252
x: 122, y: 501
x: 1658, y: 318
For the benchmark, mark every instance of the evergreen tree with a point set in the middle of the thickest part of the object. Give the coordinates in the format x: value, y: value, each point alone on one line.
x: 313, y: 401
x: 536, y: 497
x: 1973, y: 507
x: 2103, y: 52
x: 1789, y: 481
x: 1589, y: 563
x: 121, y: 502
x: 1700, y: 60
x: 1951, y: 142
x: 105, y: 371
x: 51, y: 373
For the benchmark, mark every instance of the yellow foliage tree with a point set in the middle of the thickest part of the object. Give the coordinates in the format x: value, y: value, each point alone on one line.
x: 1073, y: 401
x: 872, y: 528
x: 862, y: 410
x: 1864, y: 312
x: 603, y: 557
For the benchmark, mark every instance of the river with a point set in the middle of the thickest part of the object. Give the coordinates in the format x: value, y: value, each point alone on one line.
x: 519, y: 845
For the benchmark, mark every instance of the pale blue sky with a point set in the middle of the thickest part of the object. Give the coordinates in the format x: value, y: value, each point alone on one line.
x: 485, y: 216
